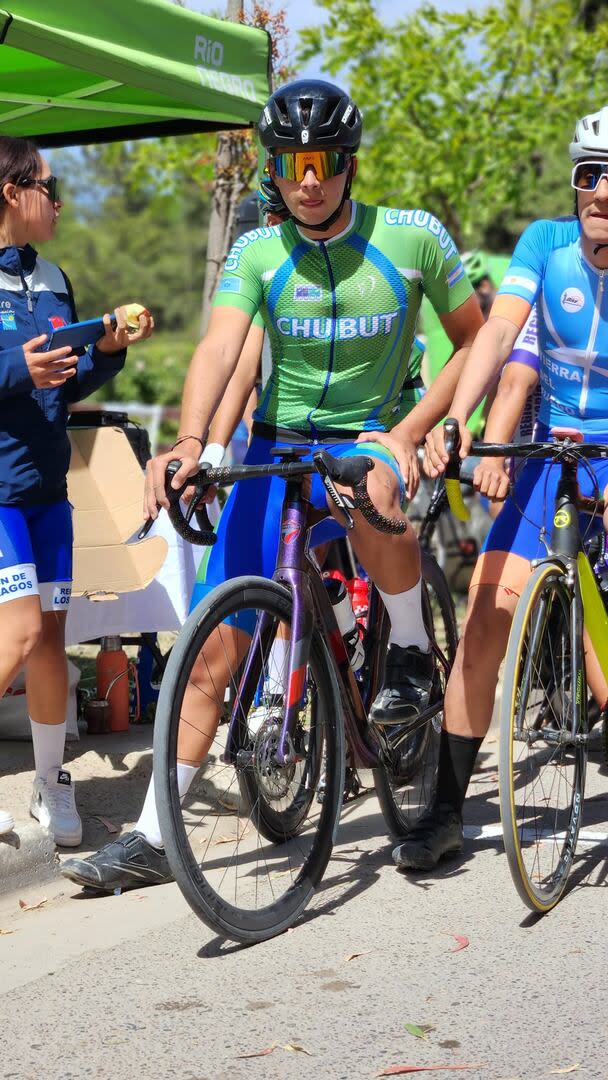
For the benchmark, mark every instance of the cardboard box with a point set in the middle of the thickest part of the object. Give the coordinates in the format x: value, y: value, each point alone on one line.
x: 106, y: 487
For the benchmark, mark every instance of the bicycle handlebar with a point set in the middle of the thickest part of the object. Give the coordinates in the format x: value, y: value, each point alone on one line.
x: 352, y: 472
x: 561, y: 446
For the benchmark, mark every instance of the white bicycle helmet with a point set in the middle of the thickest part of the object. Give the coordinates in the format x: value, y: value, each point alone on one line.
x: 591, y: 136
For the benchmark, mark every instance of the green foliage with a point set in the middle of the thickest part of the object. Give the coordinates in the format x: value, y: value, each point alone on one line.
x: 155, y: 371
x: 121, y: 243
x: 468, y: 115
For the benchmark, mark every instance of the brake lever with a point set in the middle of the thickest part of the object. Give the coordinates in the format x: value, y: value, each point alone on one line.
x: 341, y: 501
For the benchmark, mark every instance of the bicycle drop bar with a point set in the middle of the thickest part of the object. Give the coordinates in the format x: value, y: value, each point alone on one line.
x: 561, y: 447
x: 349, y: 471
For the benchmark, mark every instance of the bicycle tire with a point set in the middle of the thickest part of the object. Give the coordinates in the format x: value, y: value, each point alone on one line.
x: 406, y: 788
x: 535, y: 829
x: 197, y: 878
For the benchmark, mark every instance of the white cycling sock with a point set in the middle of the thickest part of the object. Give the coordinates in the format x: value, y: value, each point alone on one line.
x: 276, y: 677
x: 147, y: 822
x: 404, y: 609
x: 49, y: 744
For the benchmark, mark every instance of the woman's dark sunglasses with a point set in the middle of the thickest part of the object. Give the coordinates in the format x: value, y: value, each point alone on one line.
x: 50, y: 185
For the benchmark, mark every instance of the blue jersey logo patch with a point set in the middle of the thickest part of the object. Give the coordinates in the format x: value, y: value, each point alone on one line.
x: 230, y: 285
x: 307, y: 292
x: 7, y: 319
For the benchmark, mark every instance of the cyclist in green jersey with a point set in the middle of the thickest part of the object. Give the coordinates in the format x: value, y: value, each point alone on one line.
x: 339, y: 286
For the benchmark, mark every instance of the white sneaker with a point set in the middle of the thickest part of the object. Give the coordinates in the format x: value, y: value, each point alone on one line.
x: 7, y: 823
x: 54, y: 806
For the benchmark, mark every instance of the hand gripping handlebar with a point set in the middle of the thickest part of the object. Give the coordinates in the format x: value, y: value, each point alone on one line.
x: 351, y: 472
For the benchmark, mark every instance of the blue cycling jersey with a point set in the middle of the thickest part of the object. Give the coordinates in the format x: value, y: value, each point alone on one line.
x: 549, y: 268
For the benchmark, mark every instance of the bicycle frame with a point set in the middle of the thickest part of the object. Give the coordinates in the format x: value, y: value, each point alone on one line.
x: 297, y: 569
x: 566, y: 543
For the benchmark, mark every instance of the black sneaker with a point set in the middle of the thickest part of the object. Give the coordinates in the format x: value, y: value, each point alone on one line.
x: 128, y: 863
x: 408, y: 681
x: 437, y: 834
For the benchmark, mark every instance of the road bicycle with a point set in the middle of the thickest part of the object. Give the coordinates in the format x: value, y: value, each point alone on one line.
x: 251, y: 841
x: 544, y: 728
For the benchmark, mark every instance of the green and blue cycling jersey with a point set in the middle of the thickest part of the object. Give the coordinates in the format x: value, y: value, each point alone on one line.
x: 340, y: 316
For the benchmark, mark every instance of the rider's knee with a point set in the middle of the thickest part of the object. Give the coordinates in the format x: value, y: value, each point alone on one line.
x: 384, y: 489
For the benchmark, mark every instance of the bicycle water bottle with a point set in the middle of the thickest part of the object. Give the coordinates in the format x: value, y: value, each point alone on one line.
x: 359, y: 594
x: 347, y: 624
x: 113, y: 681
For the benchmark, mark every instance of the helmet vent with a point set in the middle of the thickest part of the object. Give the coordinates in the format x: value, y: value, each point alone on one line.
x: 282, y: 110
x: 305, y: 110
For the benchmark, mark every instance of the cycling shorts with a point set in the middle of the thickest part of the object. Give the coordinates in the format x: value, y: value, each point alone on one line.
x: 515, y: 535
x: 248, y: 530
x: 36, y: 554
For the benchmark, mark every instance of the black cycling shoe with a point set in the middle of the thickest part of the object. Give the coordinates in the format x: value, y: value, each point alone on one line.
x: 437, y: 834
x: 128, y: 863
x: 408, y: 681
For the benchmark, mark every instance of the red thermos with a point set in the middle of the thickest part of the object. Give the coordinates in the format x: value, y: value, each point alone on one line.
x: 113, y: 681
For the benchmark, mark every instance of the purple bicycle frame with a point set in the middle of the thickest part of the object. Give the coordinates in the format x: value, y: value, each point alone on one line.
x: 310, y: 600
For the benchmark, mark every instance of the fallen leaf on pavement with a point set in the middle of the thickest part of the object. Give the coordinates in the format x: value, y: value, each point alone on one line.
x: 259, y: 1053
x: 356, y: 955
x: 462, y: 942
x: 293, y: 1048
x: 23, y: 904
x: 401, y: 1070
x: 3, y: 932
x: 419, y: 1031
x: 230, y: 839
x: 566, y: 1069
x: 110, y: 826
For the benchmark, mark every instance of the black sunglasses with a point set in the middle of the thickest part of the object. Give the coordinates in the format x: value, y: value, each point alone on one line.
x: 50, y: 185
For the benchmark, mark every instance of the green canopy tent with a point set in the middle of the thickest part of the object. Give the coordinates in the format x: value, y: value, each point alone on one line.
x: 76, y: 73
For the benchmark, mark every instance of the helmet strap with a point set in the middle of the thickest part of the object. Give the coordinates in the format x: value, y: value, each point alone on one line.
x: 599, y: 248
x: 336, y: 214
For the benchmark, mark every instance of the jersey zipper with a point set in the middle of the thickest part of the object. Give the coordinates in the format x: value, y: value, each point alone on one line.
x: 591, y: 343
x: 28, y: 295
x: 332, y: 344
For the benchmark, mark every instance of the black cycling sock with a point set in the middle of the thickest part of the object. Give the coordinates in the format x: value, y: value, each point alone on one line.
x: 457, y: 754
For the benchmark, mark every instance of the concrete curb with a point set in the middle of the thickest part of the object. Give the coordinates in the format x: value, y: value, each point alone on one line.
x: 27, y: 856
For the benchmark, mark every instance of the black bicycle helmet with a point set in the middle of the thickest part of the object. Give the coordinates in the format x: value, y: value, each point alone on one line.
x: 310, y: 112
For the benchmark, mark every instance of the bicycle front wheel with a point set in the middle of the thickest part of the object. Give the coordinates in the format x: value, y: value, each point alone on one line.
x: 250, y: 842
x: 543, y: 750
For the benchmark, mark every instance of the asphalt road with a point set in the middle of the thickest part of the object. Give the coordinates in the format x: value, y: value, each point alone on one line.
x: 134, y: 986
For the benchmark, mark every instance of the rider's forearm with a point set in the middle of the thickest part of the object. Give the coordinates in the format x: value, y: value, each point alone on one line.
x: 505, y: 413
x: 436, y: 401
x: 487, y: 355
x: 210, y: 371
x: 231, y: 409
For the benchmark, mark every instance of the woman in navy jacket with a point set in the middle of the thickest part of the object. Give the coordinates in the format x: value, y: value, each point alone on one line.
x: 37, y: 388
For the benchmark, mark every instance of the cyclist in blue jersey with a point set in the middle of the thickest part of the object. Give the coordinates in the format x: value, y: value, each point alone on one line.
x: 339, y: 286
x: 561, y: 266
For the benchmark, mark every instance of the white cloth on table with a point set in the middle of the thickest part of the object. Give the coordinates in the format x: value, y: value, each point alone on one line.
x: 162, y: 605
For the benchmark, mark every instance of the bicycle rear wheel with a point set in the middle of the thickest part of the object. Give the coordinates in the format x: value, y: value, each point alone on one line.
x: 250, y: 842
x: 405, y: 786
x: 543, y: 749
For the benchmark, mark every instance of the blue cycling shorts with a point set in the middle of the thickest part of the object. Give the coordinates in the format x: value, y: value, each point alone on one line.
x: 248, y: 530
x: 36, y: 554
x: 523, y: 527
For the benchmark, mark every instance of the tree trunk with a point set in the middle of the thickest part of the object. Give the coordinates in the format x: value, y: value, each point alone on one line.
x: 227, y: 187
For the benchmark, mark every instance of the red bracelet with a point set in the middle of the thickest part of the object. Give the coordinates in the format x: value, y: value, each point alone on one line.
x: 184, y: 438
